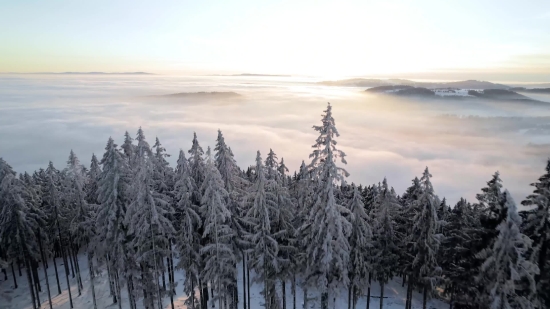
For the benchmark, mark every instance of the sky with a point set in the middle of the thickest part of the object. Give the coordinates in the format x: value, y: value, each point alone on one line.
x: 490, y: 40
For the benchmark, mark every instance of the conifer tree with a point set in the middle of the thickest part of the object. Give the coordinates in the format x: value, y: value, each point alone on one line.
x: 385, y: 239
x: 198, y: 171
x: 18, y: 222
x: 81, y: 225
x: 458, y: 251
x: 187, y: 224
x: 113, y: 198
x: 326, y: 229
x: 148, y: 222
x: 361, y: 246
x: 217, y: 253
x: 128, y: 147
x: 506, y: 268
x: 264, y: 253
x: 537, y: 227
x: 426, y: 238
x: 235, y: 186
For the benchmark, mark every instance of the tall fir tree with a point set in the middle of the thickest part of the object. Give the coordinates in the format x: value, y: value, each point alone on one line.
x: 148, y: 222
x: 426, y: 239
x: 264, y: 253
x: 187, y: 224
x: 217, y: 252
x: 327, y: 230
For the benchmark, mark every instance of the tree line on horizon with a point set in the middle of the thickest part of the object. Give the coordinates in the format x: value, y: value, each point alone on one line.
x: 137, y: 220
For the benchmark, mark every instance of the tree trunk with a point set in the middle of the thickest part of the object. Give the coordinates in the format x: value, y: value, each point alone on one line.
x: 69, y: 257
x: 451, y: 301
x: 19, y: 267
x: 404, y: 280
x: 56, y: 275
x: 77, y: 265
x: 407, y: 298
x: 171, y: 280
x: 355, y: 296
x: 212, y: 293
x: 111, y: 280
x: 13, y: 273
x: 283, y: 283
x: 66, y: 273
x: 266, y: 289
x: 29, y: 279
x: 219, y: 296
x: 248, y: 283
x: 425, y: 298
x: 368, y: 291
x: 34, y: 273
x: 305, y: 298
x: 117, y: 286
x: 91, y: 270
x: 244, y: 280
x: 324, y: 300
x: 45, y: 270
x: 201, y: 298
x: 293, y: 290
x: 381, y: 294
x: 349, y: 295
x: 130, y: 288
x: 34, y: 265
x: 163, y: 270
x: 192, y: 294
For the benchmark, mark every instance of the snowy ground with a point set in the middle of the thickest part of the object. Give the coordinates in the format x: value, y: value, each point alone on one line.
x: 20, y: 297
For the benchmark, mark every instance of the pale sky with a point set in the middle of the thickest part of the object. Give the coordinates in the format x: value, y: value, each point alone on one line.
x: 506, y: 40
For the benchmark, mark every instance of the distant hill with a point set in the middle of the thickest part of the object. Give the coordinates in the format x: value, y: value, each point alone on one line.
x: 362, y: 82
x: 251, y: 75
x: 214, y: 94
x: 92, y: 73
x: 531, y: 90
x: 450, y: 93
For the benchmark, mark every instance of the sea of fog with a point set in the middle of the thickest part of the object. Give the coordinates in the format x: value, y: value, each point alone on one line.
x: 43, y: 117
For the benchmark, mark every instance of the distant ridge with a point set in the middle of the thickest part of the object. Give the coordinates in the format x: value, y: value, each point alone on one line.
x: 202, y: 94
x: 370, y: 82
x: 90, y: 73
x: 452, y: 93
x: 252, y: 74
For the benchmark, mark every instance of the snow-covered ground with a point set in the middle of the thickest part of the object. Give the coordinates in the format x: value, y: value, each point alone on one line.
x: 20, y: 298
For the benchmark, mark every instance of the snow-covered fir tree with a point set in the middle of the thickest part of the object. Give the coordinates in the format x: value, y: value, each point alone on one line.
x: 81, y: 221
x: 264, y: 258
x: 217, y: 252
x: 361, y: 245
x: 384, y: 236
x: 426, y: 239
x: 187, y: 224
x: 506, y: 270
x: 537, y: 227
x: 148, y: 222
x: 458, y: 251
x: 326, y: 230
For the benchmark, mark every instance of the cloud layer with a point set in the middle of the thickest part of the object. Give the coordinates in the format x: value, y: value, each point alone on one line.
x: 43, y: 117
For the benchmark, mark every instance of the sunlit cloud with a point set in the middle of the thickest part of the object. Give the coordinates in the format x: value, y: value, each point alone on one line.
x: 42, y: 118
